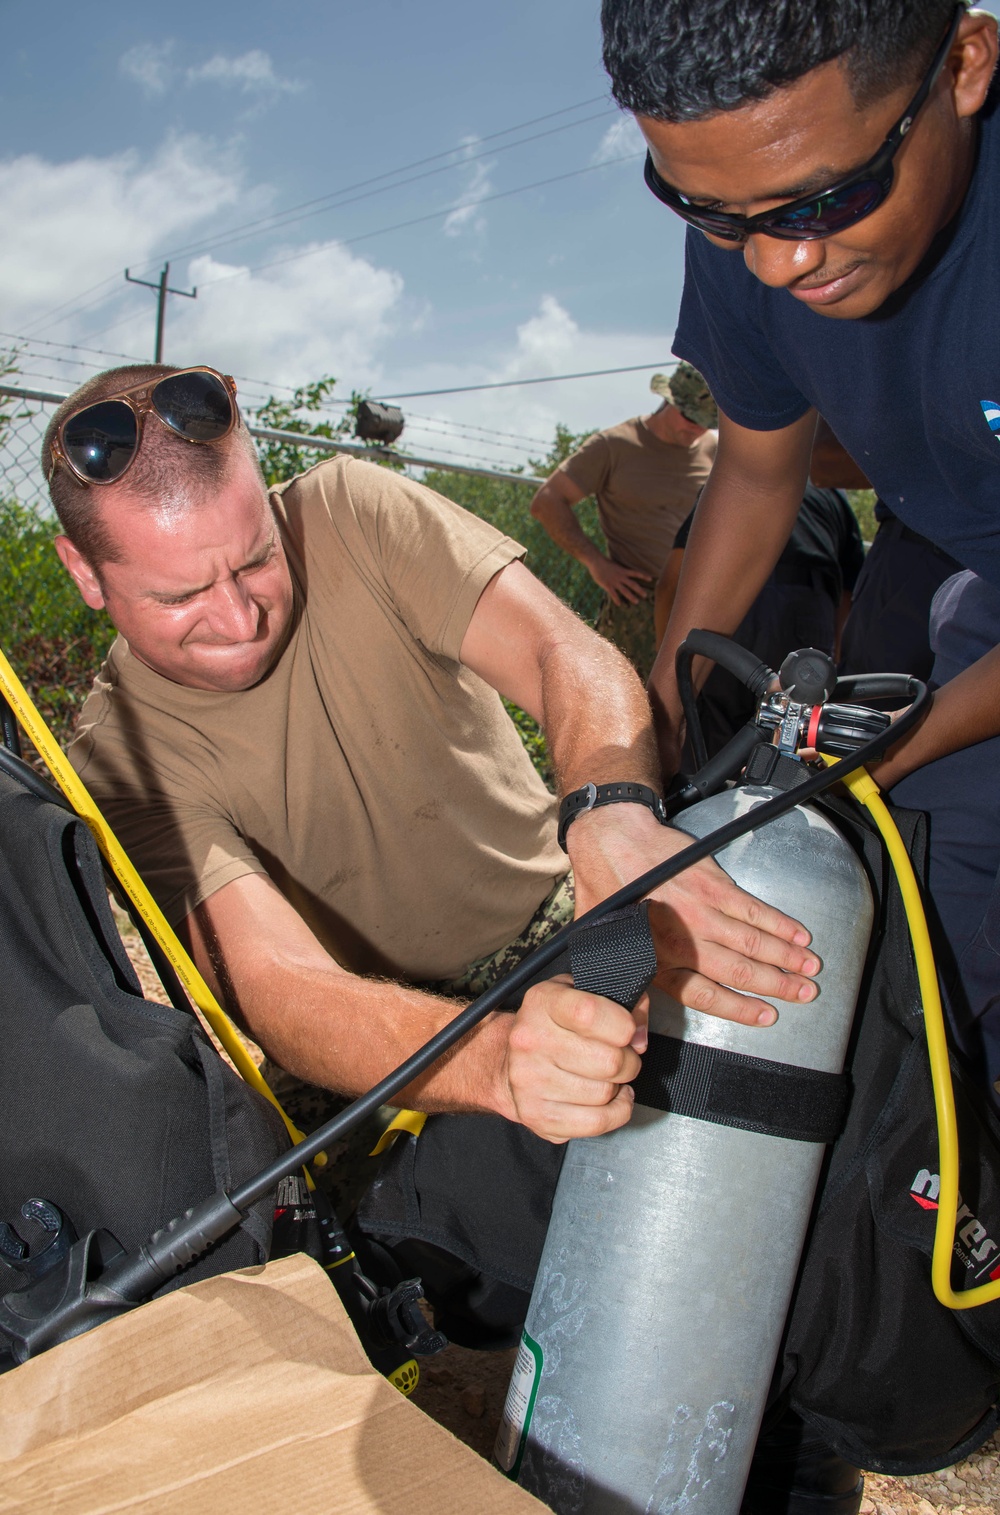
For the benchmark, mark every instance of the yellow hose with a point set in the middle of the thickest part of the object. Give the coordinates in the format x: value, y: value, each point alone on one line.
x: 117, y: 859
x: 865, y: 790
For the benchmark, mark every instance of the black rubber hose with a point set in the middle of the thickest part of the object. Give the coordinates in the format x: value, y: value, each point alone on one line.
x: 872, y: 686
x: 689, y: 704
x: 712, y: 776
x: 190, y: 1235
x: 14, y: 765
x: 739, y: 661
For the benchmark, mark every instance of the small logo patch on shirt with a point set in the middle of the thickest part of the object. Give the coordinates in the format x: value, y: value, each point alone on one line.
x: 991, y: 410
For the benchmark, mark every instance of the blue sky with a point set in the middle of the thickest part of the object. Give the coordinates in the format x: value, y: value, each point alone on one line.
x: 134, y: 133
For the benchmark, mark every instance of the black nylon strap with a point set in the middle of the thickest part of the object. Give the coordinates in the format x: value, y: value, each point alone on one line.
x: 616, y: 957
x: 732, y: 1089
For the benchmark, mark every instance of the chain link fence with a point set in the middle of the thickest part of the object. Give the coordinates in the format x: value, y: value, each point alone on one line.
x: 22, y: 426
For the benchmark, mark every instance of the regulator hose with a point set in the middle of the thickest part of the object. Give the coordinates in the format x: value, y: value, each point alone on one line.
x: 849, y: 769
x: 739, y: 661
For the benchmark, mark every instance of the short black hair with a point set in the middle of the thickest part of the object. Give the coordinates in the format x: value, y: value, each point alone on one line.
x: 680, y: 60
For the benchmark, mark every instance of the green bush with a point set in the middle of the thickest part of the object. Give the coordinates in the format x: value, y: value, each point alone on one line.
x: 863, y: 505
x: 53, y: 640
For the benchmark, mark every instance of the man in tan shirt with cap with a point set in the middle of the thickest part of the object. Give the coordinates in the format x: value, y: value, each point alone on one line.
x: 645, y: 474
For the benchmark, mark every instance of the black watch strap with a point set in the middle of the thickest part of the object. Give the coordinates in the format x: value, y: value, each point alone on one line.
x: 591, y: 796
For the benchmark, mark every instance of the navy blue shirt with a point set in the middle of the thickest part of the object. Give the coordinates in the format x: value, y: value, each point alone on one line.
x: 912, y: 391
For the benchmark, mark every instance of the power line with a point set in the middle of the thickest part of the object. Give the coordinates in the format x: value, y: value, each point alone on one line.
x: 556, y: 378
x: 45, y: 318
x: 338, y: 199
x: 406, y: 168
x: 433, y: 215
x: 41, y: 322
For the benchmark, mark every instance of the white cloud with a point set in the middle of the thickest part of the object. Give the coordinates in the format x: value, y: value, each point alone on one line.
x: 152, y: 66
x: 149, y: 65
x: 621, y: 139
x: 326, y: 313
x: 250, y: 73
x: 478, y: 185
x: 69, y: 225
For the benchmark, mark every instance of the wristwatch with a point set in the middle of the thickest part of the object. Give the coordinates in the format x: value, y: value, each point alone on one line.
x: 591, y: 796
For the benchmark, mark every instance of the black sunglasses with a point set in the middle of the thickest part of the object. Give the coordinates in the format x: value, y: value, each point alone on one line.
x: 814, y: 216
x: 100, y: 443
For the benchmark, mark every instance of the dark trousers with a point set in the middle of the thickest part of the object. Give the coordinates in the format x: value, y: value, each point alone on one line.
x: 887, y: 630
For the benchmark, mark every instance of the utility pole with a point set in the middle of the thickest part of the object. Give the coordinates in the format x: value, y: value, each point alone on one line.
x: 163, y: 289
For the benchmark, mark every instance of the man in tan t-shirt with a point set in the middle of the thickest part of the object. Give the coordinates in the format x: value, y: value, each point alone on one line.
x: 645, y: 475
x: 299, y: 736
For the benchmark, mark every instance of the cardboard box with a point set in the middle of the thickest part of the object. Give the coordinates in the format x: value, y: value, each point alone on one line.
x: 245, y: 1393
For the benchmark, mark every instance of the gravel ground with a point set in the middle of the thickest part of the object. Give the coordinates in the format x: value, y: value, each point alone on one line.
x: 465, y: 1391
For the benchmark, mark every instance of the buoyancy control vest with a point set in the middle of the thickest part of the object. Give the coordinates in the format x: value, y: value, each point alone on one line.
x: 117, y: 1110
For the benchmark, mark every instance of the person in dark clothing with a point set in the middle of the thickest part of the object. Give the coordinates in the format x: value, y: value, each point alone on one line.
x: 837, y: 164
x: 887, y: 630
x: 803, y: 603
x: 788, y: 310
x: 888, y: 627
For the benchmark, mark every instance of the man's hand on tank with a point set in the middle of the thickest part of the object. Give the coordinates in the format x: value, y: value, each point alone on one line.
x: 716, y: 945
x: 624, y: 586
x: 569, y: 1059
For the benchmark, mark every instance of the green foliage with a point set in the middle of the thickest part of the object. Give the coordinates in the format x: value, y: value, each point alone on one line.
x: 533, y: 737
x: 863, y: 505
x: 53, y: 640
x: 565, y: 444
x: 282, y: 460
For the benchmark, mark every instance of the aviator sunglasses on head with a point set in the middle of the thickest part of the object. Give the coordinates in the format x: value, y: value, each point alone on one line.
x: 813, y: 216
x: 100, y: 443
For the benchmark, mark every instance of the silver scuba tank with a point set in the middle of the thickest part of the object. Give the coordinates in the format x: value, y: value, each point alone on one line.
x: 673, y: 1246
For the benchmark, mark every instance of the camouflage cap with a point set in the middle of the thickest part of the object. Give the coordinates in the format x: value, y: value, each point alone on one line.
x: 687, y: 389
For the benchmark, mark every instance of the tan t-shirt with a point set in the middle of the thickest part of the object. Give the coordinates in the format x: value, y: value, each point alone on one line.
x: 644, y: 487
x: 377, y: 781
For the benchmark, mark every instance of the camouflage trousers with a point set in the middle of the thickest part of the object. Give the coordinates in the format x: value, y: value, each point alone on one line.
x: 350, y: 1166
x: 631, y: 629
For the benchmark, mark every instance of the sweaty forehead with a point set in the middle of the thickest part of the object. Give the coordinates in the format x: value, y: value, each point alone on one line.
x: 800, y: 139
x: 168, y: 542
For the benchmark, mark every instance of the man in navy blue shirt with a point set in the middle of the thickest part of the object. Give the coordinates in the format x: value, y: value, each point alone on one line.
x: 838, y: 164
